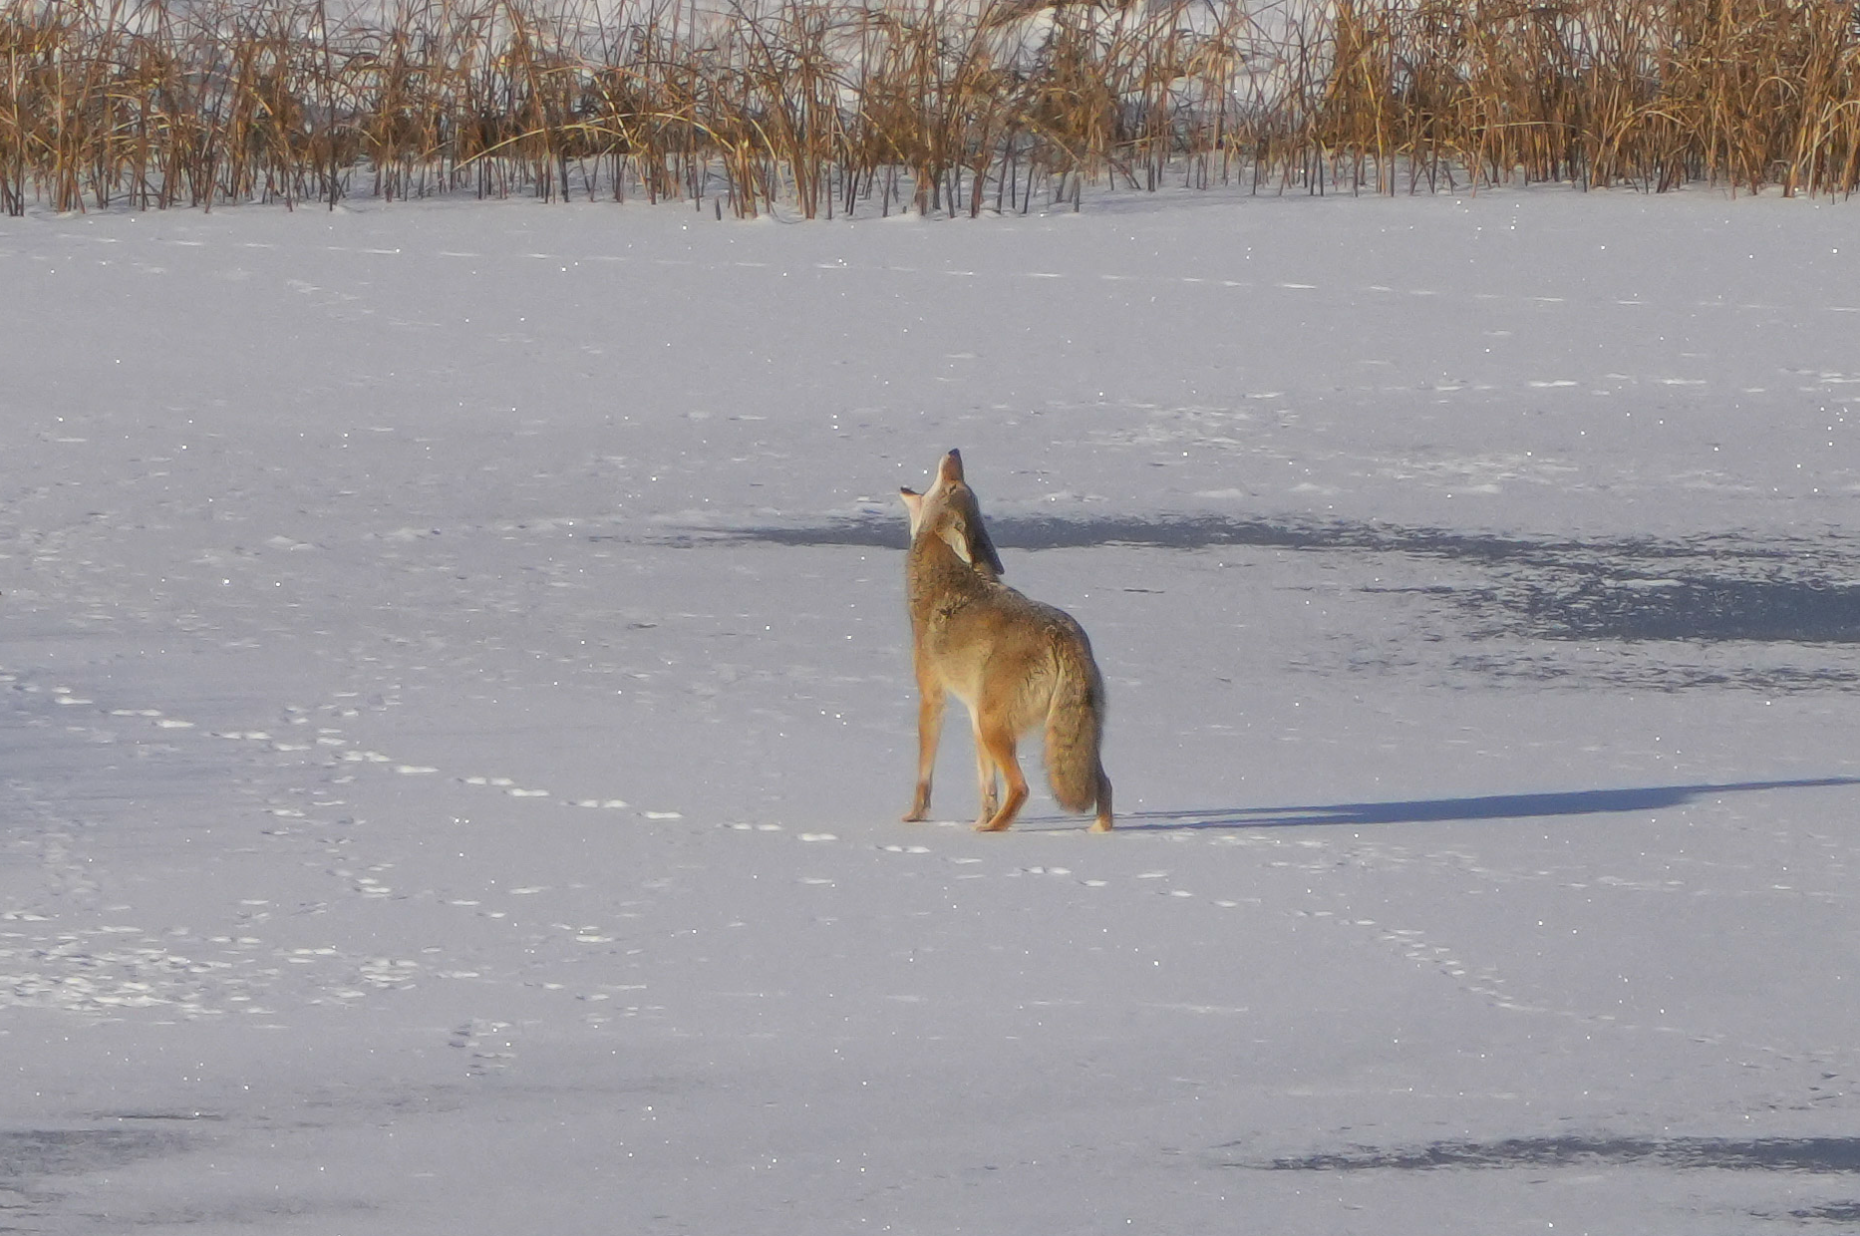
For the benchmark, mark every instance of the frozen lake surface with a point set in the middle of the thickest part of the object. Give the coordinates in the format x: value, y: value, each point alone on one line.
x: 458, y: 709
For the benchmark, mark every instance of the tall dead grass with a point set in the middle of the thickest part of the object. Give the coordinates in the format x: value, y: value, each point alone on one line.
x: 951, y: 106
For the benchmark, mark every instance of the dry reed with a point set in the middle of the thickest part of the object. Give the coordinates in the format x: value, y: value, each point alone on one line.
x: 952, y: 106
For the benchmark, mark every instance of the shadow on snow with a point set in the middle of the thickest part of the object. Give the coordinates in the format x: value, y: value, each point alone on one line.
x: 1704, y: 589
x: 1789, y: 1154
x: 1483, y: 807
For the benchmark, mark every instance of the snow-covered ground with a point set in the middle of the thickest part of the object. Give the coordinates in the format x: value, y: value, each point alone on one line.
x: 457, y: 711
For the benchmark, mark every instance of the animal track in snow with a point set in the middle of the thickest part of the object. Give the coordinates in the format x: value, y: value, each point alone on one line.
x: 110, y: 968
x: 334, y: 739
x: 487, y: 1044
x: 508, y: 786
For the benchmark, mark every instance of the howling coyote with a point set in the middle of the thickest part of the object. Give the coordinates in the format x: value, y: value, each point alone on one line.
x: 1014, y: 662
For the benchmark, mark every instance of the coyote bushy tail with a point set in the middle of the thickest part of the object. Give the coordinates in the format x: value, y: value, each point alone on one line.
x: 1074, y: 730
x: 1014, y: 663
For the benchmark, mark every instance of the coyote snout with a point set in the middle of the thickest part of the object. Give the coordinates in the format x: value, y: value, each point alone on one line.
x: 1012, y: 661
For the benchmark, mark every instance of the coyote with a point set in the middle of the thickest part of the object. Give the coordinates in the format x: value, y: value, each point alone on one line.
x: 1013, y: 661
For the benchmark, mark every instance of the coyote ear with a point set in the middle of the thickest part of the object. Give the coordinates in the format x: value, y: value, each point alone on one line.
x: 984, y: 549
x: 913, y: 506
x: 956, y: 534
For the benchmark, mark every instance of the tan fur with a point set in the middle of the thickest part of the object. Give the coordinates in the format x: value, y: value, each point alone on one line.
x: 1014, y: 662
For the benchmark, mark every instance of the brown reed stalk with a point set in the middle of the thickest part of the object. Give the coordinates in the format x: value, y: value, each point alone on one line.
x: 942, y: 105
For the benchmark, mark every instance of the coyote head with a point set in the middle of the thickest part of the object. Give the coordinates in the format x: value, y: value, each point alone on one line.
x: 965, y: 533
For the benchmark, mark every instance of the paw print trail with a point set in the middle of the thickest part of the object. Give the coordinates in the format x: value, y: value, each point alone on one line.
x: 307, y: 873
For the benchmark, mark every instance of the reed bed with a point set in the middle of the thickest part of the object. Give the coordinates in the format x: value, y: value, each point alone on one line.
x: 824, y: 107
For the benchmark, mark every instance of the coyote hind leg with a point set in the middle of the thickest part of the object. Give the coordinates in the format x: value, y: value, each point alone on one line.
x: 995, y: 744
x: 1103, y: 823
x: 986, y: 779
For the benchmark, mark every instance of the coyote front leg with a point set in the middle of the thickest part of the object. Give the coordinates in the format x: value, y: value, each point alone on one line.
x: 929, y: 732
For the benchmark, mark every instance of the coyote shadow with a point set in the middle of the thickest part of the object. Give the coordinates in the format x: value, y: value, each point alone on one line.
x: 1484, y: 807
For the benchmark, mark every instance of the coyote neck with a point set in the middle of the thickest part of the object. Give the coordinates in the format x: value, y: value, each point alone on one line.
x: 937, y: 581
